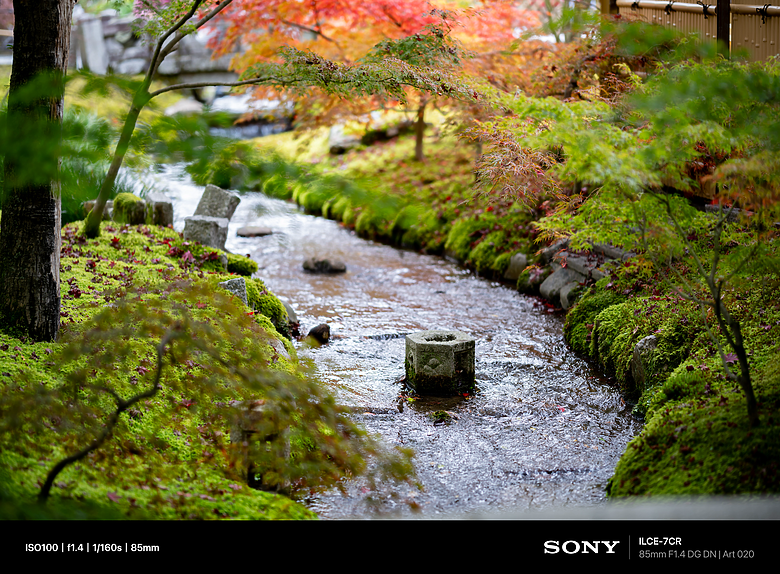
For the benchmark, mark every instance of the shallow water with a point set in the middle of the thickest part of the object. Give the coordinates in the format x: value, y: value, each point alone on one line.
x: 544, y: 430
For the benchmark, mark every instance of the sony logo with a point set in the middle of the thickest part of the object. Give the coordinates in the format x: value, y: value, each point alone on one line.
x: 574, y: 547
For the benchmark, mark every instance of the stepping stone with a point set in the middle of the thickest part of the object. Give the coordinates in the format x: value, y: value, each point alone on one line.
x: 253, y: 231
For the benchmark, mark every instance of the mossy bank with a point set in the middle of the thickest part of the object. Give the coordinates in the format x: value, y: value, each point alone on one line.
x: 166, y: 459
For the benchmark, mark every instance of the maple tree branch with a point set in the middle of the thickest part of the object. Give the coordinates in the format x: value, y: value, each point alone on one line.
x: 195, y: 85
x: 179, y: 36
x: 308, y: 29
x: 159, y: 53
x: 121, y: 406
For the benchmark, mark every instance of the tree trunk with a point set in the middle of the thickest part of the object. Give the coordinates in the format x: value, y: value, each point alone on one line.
x: 95, y: 216
x: 419, y: 132
x: 31, y: 212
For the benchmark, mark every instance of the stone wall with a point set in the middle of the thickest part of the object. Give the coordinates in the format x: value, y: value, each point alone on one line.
x: 108, y: 43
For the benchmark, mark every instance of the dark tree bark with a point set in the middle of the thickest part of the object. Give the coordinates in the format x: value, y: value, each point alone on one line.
x: 31, y: 212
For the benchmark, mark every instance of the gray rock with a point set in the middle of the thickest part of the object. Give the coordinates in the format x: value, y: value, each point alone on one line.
x: 253, y: 231
x: 551, y: 287
x: 339, y: 142
x: 731, y: 214
x: 132, y: 66
x: 549, y: 252
x: 139, y: 52
x: 191, y: 45
x: 516, y: 265
x: 132, y: 213
x: 184, y: 106
x: 279, y: 347
x: 211, y: 231
x: 107, y: 212
x: 217, y: 202
x: 291, y: 315
x: 440, y: 362
x: 613, y: 252
x: 114, y: 48
x: 94, y: 52
x: 314, y: 265
x: 643, y: 352
x: 159, y: 211
x: 583, y: 266
x: 237, y: 287
x: 569, y: 294
x: 320, y: 333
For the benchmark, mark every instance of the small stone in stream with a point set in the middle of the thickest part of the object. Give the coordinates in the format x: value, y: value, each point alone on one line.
x: 320, y: 333
x: 314, y: 265
x: 253, y: 231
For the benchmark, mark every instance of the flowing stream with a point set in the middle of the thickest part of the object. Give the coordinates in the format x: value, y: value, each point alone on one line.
x: 543, y: 431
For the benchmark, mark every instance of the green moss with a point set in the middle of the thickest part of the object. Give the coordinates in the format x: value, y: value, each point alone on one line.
x: 124, y: 205
x: 259, y: 299
x: 369, y: 225
x: 483, y: 257
x: 580, y: 319
x: 698, y: 441
x: 241, y: 265
x: 338, y: 208
x: 463, y: 235
x: 168, y: 433
x: 501, y: 263
x: 277, y: 186
x: 530, y: 279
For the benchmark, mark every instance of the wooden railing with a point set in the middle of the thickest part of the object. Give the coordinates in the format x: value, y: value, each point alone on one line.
x: 753, y: 28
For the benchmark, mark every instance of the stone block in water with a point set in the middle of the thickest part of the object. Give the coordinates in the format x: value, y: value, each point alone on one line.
x: 440, y: 362
x: 211, y: 231
x: 217, y: 202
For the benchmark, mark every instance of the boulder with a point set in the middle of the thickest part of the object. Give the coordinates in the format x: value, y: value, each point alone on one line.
x: 107, y: 211
x: 253, y: 231
x: 613, y: 252
x: 132, y: 66
x: 320, y: 333
x: 279, y: 348
x: 211, y: 231
x: 290, y: 312
x: 159, y: 210
x: 569, y: 294
x: 129, y: 208
x: 94, y: 52
x: 217, y: 202
x: 339, y: 142
x: 549, y: 252
x: 237, y: 287
x: 314, y: 265
x: 551, y: 287
x: 517, y: 264
x: 292, y: 319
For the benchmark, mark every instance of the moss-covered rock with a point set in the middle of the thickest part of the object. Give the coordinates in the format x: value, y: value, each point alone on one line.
x: 267, y: 304
x: 129, y: 208
x: 241, y: 265
x: 580, y: 319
